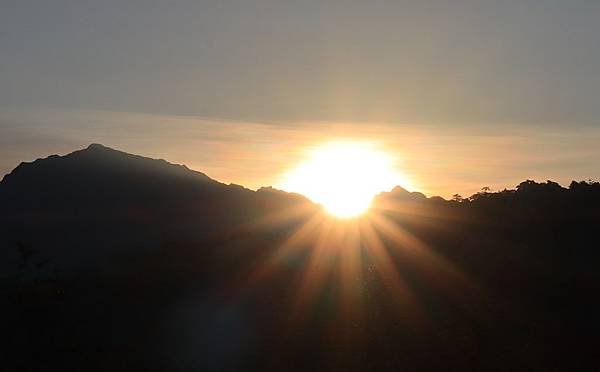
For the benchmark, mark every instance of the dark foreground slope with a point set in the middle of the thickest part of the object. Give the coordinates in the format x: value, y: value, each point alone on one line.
x: 499, y: 281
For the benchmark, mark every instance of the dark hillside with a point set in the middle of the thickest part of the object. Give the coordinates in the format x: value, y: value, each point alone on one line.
x: 198, y: 275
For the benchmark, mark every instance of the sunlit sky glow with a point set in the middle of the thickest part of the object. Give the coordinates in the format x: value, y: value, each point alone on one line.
x: 344, y: 176
x: 436, y: 160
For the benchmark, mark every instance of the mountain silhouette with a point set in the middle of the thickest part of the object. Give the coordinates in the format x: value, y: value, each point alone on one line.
x: 112, y: 261
x: 107, y: 199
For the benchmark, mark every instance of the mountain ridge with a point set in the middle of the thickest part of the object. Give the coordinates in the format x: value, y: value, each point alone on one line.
x: 100, y: 152
x: 108, y: 199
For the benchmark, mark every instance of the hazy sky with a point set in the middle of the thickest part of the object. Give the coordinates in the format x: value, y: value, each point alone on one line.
x: 466, y: 93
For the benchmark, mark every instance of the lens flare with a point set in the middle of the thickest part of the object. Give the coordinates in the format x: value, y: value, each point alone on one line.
x: 344, y: 176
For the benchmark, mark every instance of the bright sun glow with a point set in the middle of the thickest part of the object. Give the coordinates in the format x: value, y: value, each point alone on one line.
x: 344, y: 176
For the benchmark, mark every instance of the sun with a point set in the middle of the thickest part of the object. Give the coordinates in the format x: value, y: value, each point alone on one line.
x: 344, y: 176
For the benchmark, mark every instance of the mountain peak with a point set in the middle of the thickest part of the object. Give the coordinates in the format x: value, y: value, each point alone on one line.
x: 399, y: 190
x: 93, y: 146
x: 101, y: 163
x: 98, y: 147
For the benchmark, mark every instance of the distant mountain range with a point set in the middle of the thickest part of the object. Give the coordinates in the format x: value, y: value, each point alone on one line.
x: 105, y: 200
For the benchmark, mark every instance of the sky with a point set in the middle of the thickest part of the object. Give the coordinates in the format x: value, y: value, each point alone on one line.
x: 465, y: 94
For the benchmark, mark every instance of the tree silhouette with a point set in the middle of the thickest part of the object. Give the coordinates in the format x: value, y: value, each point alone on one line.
x: 457, y: 198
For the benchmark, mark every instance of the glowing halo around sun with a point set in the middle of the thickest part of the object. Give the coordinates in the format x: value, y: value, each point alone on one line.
x: 344, y: 176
